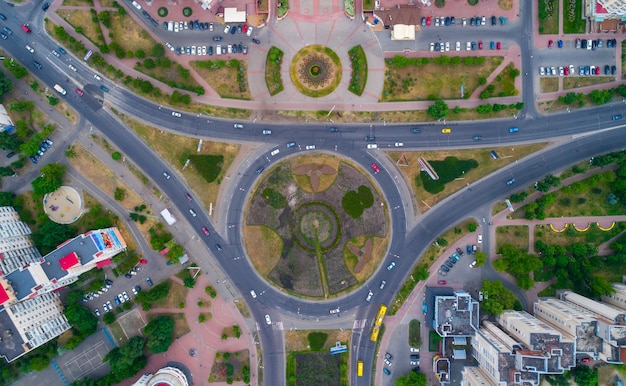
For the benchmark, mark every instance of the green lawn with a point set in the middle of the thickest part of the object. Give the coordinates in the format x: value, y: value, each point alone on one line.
x: 573, y: 23
x: 549, y: 17
x: 415, y: 340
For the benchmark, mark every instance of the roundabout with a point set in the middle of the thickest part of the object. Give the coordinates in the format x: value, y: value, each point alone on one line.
x: 309, y: 233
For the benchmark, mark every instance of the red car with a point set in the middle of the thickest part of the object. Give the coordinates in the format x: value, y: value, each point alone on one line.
x: 205, y: 231
x: 480, y: 44
x: 441, y: 282
x: 245, y: 28
x: 586, y: 360
x: 26, y: 29
x: 79, y: 92
x: 188, y: 197
x: 550, y: 43
x: 566, y: 70
x: 376, y: 168
x: 428, y: 21
x: 143, y: 261
x: 498, y: 45
x: 597, y: 70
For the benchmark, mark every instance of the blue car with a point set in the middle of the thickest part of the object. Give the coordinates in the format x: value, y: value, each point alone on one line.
x: 469, y: 249
x: 513, y: 129
x: 233, y: 29
x: 62, y: 50
x: 617, y: 117
x: 104, y: 88
x: 386, y: 371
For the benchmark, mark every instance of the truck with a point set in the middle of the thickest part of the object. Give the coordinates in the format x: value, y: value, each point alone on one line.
x: 60, y: 89
x: 168, y: 217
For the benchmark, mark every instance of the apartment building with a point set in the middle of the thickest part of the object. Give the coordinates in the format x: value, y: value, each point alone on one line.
x: 31, y: 312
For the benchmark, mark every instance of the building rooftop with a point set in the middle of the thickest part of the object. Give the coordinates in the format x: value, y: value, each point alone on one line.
x: 22, y: 282
x: 11, y: 343
x: 456, y: 314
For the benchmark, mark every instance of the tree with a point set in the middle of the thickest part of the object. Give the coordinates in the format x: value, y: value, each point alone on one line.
x: 7, y: 199
x: 496, y: 297
x: 6, y: 171
x: 38, y: 363
x: 585, y: 376
x: 81, y: 319
x: 119, y: 194
x: 50, y: 180
x: 472, y: 227
x: 438, y: 110
x: 5, y: 84
x: 109, y: 317
x: 9, y: 141
x: 127, y: 360
x: 51, y: 234
x: 412, y: 379
x: 159, y: 333
x: 189, y: 282
x: 481, y: 258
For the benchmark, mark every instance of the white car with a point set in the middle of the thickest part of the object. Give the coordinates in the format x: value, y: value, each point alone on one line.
x: 125, y: 295
x: 369, y: 296
x: 238, y: 126
x: 468, y: 46
x: 398, y: 144
x: 226, y: 29
x: 176, y: 114
x: 175, y: 26
x: 193, y: 50
x: 413, y: 349
x: 458, y: 46
x: 472, y: 264
x: 203, y: 50
x: 249, y: 31
x: 480, y: 239
x: 274, y: 152
x: 72, y: 68
x: 310, y: 147
x: 372, y: 146
x: 436, y: 22
x: 432, y: 46
x: 388, y: 362
x: 267, y: 319
x: 571, y: 69
x: 542, y: 71
x: 335, y: 311
x: 443, y: 48
x: 561, y: 72
x: 253, y: 294
x: 97, y: 77
x: 447, y: 46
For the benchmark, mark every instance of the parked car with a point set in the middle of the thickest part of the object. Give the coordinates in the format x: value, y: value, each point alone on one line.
x: 149, y: 281
x: 442, y: 282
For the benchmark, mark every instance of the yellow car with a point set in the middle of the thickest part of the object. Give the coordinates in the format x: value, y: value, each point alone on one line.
x: 446, y: 130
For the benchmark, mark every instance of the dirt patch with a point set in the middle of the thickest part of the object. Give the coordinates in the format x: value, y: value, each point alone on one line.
x: 325, y: 180
x: 517, y: 235
x: 225, y: 77
x: 548, y: 84
x: 578, y: 82
x: 175, y: 150
x: 131, y: 323
x: 103, y: 177
x: 433, y: 81
x: 296, y: 268
x: 130, y: 35
x: 486, y: 166
x: 235, y: 361
x: 82, y: 19
x: 505, y: 4
x: 117, y: 333
x: 379, y: 247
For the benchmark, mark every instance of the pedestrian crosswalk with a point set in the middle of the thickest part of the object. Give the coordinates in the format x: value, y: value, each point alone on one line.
x: 359, y: 324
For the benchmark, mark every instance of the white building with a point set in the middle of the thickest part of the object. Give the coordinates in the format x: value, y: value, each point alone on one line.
x: 16, y: 248
x: 5, y: 120
x: 167, y: 376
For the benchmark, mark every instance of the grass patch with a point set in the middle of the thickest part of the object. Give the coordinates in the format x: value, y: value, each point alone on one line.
x: 378, y: 254
x: 209, y: 166
x: 593, y: 235
x: 578, y: 82
x: 264, y: 247
x: 409, y: 79
x: 231, y: 366
x: 516, y: 235
x: 486, y: 164
x: 448, y: 170
x: 129, y: 35
x: 228, y: 78
x: 176, y: 296
x: 549, y: 84
x: 169, y: 72
x: 317, y: 340
x: 358, y: 79
x: 116, y: 331
x: 573, y: 22
x: 623, y: 58
x: 415, y: 339
x: 82, y: 22
x: 273, y: 62
x: 505, y: 4
x: 176, y: 149
x: 355, y: 202
x: 368, y: 5
x: 503, y: 85
x: 434, y: 340
x: 548, y: 17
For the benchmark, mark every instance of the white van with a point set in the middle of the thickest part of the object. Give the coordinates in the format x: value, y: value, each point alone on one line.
x: 218, y: 49
x: 372, y: 146
x: 170, y: 26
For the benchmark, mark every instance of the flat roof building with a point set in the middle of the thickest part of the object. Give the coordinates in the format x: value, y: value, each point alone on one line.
x: 456, y: 314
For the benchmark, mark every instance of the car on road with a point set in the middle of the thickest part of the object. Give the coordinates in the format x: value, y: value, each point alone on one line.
x: 143, y: 261
x: 2, y: 16
x: 442, y: 282
x: 39, y: 66
x: 335, y: 311
x: 166, y: 175
x: 309, y: 147
x: 192, y: 212
x: 511, y: 181
x: 238, y: 126
x: 104, y: 88
x: 218, y: 247
x: 79, y: 92
x: 267, y: 132
x: 416, y: 131
x: 291, y: 144
x: 30, y: 49
x: 386, y: 371
x: 398, y: 144
x: 617, y: 117
x: 370, y: 138
x: 446, y: 130
x: 477, y: 137
x: 375, y: 168
x: 513, y: 129
x: 72, y: 68
x: 253, y: 294
x: 267, y: 319
x: 369, y: 296
x: 205, y: 231
x: 372, y: 146
x: 188, y: 197
x: 382, y: 284
x: 274, y: 152
x: 391, y: 266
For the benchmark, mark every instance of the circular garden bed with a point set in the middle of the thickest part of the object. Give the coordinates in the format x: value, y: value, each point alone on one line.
x: 315, y: 71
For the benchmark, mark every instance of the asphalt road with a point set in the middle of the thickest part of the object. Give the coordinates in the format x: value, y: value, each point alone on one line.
x: 408, y: 244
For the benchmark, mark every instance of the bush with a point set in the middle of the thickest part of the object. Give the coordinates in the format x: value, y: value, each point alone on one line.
x: 119, y: 194
x: 116, y: 155
x: 354, y: 203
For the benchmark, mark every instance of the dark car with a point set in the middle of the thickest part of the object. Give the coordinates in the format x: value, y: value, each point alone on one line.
x: 445, y: 268
x: 550, y: 43
x: 149, y: 281
x: 196, y: 25
x: 33, y: 159
x: 7, y: 31
x: 62, y: 50
x: 217, y: 38
x: 240, y: 48
x: 607, y: 69
x: 560, y: 43
x: 447, y: 21
x: 333, y: 130
x: 11, y: 154
x: 613, y: 69
x: 437, y: 47
x: 469, y: 249
x: 45, y: 6
x: 233, y: 29
x: 39, y: 66
x: 583, y: 44
x: 128, y: 275
x: 188, y: 197
x: 260, y: 169
x: 616, y: 117
x: 473, y: 46
x: 449, y: 263
x: 190, y: 24
x: 459, y: 251
x: 370, y: 138
x: 494, y: 21
x: 452, y: 21
x: 218, y: 247
x: 477, y: 137
x: 472, y: 21
x: 104, y: 88
x: 416, y: 131
x: 256, y: 41
x: 210, y: 50
x: 4, y: 17
x: 511, y: 181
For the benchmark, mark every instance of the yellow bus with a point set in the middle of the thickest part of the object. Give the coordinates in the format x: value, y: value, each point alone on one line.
x: 359, y: 369
x: 378, y: 322
x: 374, y: 334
